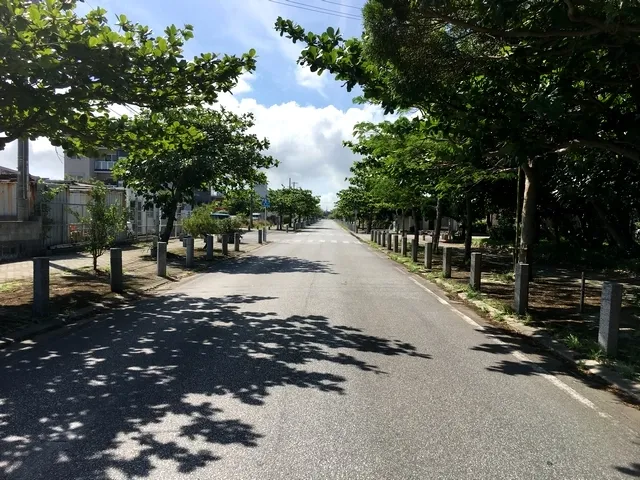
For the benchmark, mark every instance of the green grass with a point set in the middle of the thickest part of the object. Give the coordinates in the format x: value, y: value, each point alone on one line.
x: 8, y: 287
x: 501, y: 277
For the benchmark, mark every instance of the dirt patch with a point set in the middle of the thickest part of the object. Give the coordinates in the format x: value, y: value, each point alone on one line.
x: 74, y: 289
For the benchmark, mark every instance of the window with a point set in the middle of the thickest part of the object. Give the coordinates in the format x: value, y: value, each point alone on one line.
x: 104, y: 165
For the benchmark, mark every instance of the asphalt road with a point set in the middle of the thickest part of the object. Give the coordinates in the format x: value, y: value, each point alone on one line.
x: 310, y: 359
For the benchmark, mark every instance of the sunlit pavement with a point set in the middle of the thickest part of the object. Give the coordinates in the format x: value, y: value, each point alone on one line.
x: 305, y: 360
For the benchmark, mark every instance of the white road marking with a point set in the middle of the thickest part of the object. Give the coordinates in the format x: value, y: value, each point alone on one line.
x: 345, y: 241
x: 334, y: 241
x: 322, y: 241
x: 521, y: 356
x: 297, y: 241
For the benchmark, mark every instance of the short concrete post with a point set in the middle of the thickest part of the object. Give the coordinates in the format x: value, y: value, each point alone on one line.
x: 236, y: 242
x: 610, y: 306
x: 209, y: 240
x: 521, y: 295
x: 396, y: 248
x: 414, y: 250
x: 225, y: 244
x: 116, y: 269
x: 189, y: 261
x: 428, y: 256
x: 476, y: 271
x: 40, y: 286
x: 162, y: 259
x: 373, y: 233
x: 287, y: 228
x: 389, y: 244
x: 446, y: 262
x: 403, y: 250
x: 264, y: 234
x: 384, y: 238
x: 260, y: 236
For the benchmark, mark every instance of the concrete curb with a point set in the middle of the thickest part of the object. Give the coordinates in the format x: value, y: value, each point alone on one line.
x: 540, y: 338
x: 86, y: 315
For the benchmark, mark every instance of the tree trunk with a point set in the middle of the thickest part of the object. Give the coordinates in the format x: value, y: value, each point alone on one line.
x: 95, y: 261
x: 529, y: 209
x: 170, y: 215
x: 621, y: 238
x: 468, y: 233
x: 438, y: 225
x: 402, y: 229
x: 416, y: 219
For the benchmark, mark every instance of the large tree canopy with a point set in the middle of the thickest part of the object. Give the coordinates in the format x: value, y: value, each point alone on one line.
x: 61, y: 72
x: 197, y: 148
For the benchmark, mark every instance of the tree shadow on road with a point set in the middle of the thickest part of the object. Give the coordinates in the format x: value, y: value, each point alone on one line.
x: 633, y: 470
x: 264, y: 265
x: 545, y: 361
x: 142, y: 386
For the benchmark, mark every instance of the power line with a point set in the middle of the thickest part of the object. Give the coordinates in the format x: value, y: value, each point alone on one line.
x: 311, y: 8
x: 343, y: 5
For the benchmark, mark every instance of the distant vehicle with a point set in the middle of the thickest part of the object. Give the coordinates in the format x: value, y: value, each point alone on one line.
x: 219, y: 215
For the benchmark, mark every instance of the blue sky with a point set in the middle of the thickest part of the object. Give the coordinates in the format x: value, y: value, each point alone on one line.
x: 305, y: 116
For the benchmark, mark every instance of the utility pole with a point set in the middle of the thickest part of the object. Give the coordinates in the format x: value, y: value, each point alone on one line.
x: 22, y: 191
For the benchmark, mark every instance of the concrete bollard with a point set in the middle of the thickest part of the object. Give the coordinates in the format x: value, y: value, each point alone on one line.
x: 162, y: 259
x: 610, y: 306
x: 225, y: 244
x: 236, y: 242
x: 209, y: 240
x: 287, y: 228
x: 403, y: 249
x: 384, y: 239
x: 373, y: 233
x: 116, y: 269
x: 395, y: 243
x: 521, y: 294
x: 40, y: 286
x: 264, y: 234
x: 189, y: 261
x: 414, y: 250
x: 446, y: 262
x: 260, y: 237
x: 428, y: 256
x: 476, y: 271
x: 389, y: 245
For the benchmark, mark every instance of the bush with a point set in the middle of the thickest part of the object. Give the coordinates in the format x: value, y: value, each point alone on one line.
x: 504, y: 231
x: 261, y: 224
x: 200, y: 222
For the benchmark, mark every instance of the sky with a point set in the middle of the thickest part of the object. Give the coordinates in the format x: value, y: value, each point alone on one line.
x: 305, y: 116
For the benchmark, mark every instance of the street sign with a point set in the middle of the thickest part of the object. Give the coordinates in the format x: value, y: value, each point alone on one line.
x: 266, y: 203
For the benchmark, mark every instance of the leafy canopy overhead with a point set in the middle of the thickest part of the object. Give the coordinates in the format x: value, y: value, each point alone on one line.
x: 62, y: 71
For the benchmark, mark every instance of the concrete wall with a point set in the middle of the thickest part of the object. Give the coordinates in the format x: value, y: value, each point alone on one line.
x: 20, y: 239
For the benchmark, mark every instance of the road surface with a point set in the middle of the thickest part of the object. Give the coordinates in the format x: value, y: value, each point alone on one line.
x: 312, y: 358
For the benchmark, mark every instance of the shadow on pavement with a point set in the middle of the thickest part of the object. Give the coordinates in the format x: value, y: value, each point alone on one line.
x: 547, y: 363
x: 116, y: 398
x: 632, y: 470
x: 264, y: 265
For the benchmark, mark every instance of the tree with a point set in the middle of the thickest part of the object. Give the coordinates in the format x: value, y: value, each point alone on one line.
x: 521, y: 84
x: 104, y: 222
x: 199, y: 148
x: 62, y: 72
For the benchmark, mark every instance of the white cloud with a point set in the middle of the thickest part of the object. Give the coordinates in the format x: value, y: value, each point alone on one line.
x: 306, y: 78
x: 44, y: 160
x: 244, y: 83
x: 307, y: 141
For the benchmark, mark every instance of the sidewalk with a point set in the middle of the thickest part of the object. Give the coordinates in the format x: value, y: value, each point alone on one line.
x: 14, y: 271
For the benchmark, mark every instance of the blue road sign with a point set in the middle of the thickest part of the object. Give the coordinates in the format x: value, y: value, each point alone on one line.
x: 266, y: 203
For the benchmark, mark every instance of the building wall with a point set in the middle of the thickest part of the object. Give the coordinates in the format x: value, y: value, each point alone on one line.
x: 85, y: 168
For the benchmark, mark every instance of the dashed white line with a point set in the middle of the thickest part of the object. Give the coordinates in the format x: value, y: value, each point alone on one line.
x: 345, y: 241
x: 334, y: 241
x: 521, y: 356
